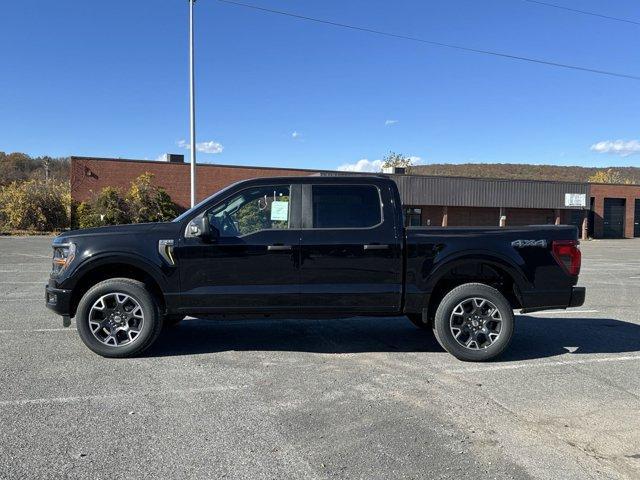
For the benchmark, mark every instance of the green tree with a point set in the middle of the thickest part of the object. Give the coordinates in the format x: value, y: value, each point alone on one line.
x: 110, y: 207
x: 85, y: 217
x: 393, y: 159
x: 148, y: 202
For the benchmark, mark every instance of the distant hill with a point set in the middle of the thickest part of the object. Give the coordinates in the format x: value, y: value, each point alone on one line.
x: 17, y: 167
x: 522, y: 171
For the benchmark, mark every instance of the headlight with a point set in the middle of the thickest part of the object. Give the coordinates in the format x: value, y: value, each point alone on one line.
x: 63, y: 255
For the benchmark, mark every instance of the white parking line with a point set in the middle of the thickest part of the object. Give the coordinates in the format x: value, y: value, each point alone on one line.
x: 25, y: 271
x: 561, y: 312
x: 20, y: 299
x: 68, y: 329
x: 31, y: 255
x: 88, y: 398
x: 558, y: 363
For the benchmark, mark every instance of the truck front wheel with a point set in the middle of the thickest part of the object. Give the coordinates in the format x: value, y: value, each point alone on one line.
x: 474, y: 322
x: 118, y: 318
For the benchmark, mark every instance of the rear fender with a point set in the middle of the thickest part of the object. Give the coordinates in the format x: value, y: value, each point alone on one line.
x: 493, y: 259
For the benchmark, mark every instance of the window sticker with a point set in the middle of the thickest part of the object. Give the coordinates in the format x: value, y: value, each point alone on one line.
x: 279, y: 211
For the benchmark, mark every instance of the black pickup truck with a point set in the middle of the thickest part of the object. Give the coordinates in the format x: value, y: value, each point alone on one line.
x: 308, y: 247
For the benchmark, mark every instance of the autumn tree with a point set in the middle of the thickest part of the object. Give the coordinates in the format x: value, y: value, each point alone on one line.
x: 609, y: 176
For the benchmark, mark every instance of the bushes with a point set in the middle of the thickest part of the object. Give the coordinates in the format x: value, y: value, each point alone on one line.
x: 148, y: 203
x: 107, y: 208
x: 143, y: 202
x: 45, y: 206
x: 35, y: 205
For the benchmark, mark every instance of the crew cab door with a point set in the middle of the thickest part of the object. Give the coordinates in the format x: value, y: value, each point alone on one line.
x: 253, y: 265
x: 351, y: 255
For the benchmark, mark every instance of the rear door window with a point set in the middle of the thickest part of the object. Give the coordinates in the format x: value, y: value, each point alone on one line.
x: 346, y: 206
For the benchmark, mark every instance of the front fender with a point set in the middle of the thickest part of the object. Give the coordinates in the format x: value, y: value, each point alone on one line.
x: 160, y: 273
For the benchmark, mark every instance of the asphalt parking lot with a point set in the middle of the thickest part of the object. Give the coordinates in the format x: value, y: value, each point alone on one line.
x: 354, y: 398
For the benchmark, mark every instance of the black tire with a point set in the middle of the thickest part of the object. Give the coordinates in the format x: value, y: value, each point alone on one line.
x: 416, y: 319
x: 445, y: 321
x: 171, y: 320
x: 148, y: 331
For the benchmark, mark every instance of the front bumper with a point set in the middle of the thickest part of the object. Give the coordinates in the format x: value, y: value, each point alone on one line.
x: 58, y: 300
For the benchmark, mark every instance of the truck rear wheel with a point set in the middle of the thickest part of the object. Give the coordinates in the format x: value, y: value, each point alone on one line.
x: 118, y: 318
x: 474, y: 322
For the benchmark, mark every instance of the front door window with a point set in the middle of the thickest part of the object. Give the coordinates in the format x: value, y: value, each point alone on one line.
x: 253, y: 210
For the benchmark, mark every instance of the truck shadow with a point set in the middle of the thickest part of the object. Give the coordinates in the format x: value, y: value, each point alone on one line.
x: 535, y: 337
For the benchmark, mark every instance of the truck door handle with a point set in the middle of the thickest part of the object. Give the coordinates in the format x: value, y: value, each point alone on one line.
x: 274, y: 248
x: 376, y: 246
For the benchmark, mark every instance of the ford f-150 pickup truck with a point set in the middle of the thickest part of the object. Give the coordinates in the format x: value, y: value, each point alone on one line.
x: 308, y: 247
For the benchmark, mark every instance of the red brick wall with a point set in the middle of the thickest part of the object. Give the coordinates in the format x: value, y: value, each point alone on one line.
x: 529, y: 216
x: 602, y: 191
x: 473, y: 217
x: 90, y: 175
x: 432, y: 213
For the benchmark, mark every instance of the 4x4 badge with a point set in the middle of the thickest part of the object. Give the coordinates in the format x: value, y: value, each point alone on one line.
x: 529, y: 243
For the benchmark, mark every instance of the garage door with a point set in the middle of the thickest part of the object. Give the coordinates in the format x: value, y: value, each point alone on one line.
x: 614, y: 217
x: 636, y: 221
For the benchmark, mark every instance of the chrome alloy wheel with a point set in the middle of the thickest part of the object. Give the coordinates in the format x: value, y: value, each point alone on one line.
x: 475, y: 323
x: 116, y: 319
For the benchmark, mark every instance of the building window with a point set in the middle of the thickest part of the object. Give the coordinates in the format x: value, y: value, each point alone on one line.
x: 412, y: 217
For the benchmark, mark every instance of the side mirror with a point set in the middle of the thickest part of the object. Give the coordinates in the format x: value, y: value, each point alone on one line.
x: 200, y: 227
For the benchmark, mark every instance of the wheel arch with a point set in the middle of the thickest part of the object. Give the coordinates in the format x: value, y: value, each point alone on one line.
x: 116, y: 266
x: 479, y: 267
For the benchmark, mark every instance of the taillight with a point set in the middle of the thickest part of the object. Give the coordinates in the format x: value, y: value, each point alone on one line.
x: 567, y: 254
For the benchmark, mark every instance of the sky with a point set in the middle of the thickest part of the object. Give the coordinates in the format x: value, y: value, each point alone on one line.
x: 110, y: 79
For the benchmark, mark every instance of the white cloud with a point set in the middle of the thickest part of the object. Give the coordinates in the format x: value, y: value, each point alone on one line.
x: 624, y: 148
x: 204, y: 147
x: 161, y: 158
x: 209, y: 147
x: 362, y: 165
x: 296, y: 135
x: 391, y: 122
x: 366, y: 165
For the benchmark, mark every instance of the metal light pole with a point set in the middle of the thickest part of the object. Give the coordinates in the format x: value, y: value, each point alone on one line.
x: 192, y: 105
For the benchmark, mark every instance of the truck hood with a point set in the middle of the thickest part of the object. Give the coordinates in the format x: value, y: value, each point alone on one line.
x: 130, y: 229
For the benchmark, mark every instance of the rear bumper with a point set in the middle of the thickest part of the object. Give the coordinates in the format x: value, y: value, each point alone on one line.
x: 553, y: 300
x: 577, y: 296
x: 58, y: 300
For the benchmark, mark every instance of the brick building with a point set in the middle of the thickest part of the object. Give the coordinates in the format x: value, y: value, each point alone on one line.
x: 602, y: 210
x: 614, y: 210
